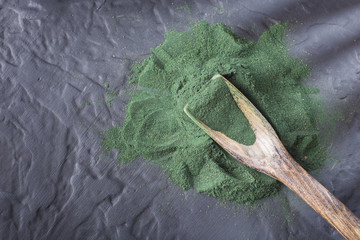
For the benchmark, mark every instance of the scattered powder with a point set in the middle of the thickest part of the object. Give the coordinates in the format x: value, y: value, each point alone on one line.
x: 179, y: 72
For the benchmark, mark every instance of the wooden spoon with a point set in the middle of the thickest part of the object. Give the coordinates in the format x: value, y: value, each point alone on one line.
x: 268, y: 155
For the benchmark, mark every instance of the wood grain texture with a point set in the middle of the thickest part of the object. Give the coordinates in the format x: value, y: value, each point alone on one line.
x: 268, y: 155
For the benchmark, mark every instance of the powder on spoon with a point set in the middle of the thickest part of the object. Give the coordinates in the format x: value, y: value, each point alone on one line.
x: 179, y: 71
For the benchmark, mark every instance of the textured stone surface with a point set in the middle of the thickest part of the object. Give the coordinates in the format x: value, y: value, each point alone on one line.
x: 55, y: 58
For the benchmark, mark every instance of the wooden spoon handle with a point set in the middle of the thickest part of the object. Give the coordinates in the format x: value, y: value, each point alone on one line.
x: 319, y: 198
x: 268, y: 155
x: 284, y: 168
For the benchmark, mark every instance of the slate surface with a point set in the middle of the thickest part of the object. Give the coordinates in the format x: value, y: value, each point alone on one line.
x: 55, y: 58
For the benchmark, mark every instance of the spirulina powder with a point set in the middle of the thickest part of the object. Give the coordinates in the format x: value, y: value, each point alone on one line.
x: 179, y: 72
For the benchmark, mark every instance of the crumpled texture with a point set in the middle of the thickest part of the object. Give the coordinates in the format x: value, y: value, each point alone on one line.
x: 63, y: 71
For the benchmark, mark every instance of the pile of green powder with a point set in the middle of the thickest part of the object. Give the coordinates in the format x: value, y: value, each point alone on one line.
x: 179, y: 71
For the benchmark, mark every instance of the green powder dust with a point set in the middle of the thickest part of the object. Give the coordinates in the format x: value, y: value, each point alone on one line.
x: 179, y: 71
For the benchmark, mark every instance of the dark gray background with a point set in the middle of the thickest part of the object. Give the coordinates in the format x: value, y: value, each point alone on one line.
x: 55, y: 180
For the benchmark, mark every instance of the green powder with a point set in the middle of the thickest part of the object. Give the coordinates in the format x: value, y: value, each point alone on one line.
x: 179, y: 71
